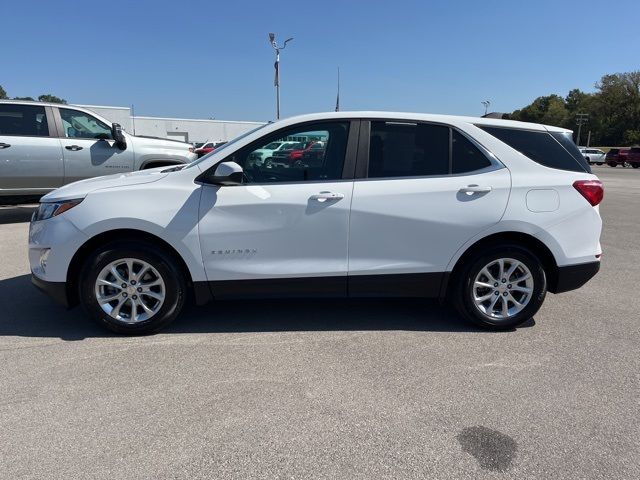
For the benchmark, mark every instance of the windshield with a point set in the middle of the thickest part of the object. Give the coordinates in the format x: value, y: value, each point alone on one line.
x: 222, y: 147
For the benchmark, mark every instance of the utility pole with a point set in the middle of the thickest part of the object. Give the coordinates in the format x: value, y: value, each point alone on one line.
x: 581, y: 119
x: 276, y: 82
x: 486, y: 104
x: 589, y: 139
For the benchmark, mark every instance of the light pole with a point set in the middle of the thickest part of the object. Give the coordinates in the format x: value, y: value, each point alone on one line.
x: 276, y: 82
x: 486, y: 104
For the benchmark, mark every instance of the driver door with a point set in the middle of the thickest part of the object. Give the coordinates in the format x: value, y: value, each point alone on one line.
x: 88, y: 147
x: 285, y: 229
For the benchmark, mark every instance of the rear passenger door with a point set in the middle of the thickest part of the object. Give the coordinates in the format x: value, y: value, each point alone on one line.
x: 424, y: 190
x: 88, y: 147
x: 30, y: 155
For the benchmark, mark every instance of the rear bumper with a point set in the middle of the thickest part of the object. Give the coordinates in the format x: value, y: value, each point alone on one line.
x: 56, y: 290
x: 571, y: 277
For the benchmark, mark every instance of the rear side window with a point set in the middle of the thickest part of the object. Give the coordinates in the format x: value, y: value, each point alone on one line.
x: 466, y: 157
x: 408, y: 150
x: 555, y: 150
x: 23, y: 120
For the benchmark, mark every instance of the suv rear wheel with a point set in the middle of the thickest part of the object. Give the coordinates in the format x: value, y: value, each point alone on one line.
x: 132, y: 288
x: 500, y: 289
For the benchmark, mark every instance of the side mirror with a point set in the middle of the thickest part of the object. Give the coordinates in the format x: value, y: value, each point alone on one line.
x: 118, y: 136
x: 227, y: 173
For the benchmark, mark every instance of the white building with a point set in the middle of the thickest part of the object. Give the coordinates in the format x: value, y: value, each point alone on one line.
x: 185, y: 129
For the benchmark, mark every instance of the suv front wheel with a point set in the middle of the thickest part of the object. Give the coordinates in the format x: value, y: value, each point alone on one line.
x: 501, y: 288
x: 132, y: 288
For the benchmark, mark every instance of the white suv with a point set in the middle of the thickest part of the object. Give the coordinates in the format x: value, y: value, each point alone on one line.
x: 489, y: 214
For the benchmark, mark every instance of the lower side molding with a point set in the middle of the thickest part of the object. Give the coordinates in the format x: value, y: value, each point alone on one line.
x: 424, y: 285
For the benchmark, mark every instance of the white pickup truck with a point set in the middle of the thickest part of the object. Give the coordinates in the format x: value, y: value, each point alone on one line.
x: 46, y: 145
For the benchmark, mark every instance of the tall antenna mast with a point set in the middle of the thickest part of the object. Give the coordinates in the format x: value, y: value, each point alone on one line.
x: 338, y: 94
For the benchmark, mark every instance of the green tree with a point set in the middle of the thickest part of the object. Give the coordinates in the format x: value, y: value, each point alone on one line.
x: 613, y: 110
x: 3, y: 93
x: 51, y: 98
x: 23, y: 98
x: 550, y: 110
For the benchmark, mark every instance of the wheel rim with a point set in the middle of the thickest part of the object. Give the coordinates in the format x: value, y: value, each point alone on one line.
x: 130, y: 290
x: 503, y: 288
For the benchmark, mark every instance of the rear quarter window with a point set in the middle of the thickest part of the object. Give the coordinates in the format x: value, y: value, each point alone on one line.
x: 553, y: 150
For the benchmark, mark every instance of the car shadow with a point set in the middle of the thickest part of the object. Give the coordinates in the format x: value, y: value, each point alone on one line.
x: 18, y: 214
x: 30, y: 313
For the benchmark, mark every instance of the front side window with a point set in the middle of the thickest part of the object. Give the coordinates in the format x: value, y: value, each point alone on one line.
x: 260, y: 164
x: 23, y: 120
x: 408, y: 150
x: 78, y: 124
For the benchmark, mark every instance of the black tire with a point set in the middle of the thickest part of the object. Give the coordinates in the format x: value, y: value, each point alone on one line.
x: 463, y: 286
x: 612, y: 164
x: 165, y: 265
x: 635, y: 165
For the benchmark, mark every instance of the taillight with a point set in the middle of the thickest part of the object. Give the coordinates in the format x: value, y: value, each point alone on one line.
x: 592, y: 190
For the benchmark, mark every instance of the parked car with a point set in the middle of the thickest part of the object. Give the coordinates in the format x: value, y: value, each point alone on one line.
x: 633, y: 157
x: 44, y: 146
x: 263, y: 155
x: 207, y: 147
x: 294, y: 153
x: 593, y: 155
x: 489, y: 214
x: 287, y: 155
x: 617, y: 156
x: 314, y: 155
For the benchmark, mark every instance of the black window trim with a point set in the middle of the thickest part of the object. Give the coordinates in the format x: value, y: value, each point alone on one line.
x: 362, y: 165
x: 350, y: 157
x: 48, y: 115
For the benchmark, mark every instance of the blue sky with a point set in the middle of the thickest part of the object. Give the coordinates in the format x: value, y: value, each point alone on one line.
x: 212, y: 59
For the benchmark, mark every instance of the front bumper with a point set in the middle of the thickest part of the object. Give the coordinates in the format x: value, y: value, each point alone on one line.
x: 571, y: 277
x: 56, y: 290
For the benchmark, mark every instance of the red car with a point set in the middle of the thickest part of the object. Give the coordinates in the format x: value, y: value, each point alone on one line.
x: 617, y: 156
x: 208, y: 147
x: 290, y: 156
x: 633, y: 157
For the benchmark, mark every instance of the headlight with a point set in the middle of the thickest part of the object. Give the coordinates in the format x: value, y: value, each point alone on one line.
x: 51, y: 209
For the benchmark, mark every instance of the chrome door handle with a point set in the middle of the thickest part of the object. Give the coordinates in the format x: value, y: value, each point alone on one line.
x: 73, y: 148
x: 4, y: 145
x: 325, y: 196
x: 471, y: 189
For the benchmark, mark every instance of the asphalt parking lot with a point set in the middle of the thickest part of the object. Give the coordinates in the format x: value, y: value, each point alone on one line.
x: 328, y: 388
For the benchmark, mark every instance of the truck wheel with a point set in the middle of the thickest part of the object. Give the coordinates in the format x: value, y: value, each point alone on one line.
x: 132, y: 288
x: 500, y: 289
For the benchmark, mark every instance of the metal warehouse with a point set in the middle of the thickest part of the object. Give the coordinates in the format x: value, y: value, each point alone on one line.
x: 184, y: 129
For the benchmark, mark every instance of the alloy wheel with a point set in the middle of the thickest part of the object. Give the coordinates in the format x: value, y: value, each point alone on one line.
x: 130, y: 290
x: 502, y: 288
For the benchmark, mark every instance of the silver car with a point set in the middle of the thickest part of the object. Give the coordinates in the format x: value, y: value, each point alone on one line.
x: 46, y: 145
x: 593, y: 155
